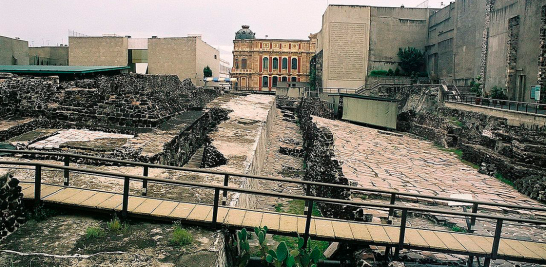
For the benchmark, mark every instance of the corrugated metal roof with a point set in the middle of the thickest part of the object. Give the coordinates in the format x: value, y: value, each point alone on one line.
x: 58, y: 69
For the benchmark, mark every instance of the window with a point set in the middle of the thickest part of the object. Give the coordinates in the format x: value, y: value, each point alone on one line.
x: 294, y: 63
x: 265, y: 81
x: 214, y: 56
x: 293, y: 79
x: 284, y: 79
x: 275, y: 80
x: 266, y: 63
x: 243, y: 63
x: 284, y: 63
x: 236, y: 64
x: 275, y: 63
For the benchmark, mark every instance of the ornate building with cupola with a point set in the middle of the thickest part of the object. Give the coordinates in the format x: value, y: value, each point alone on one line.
x: 260, y: 64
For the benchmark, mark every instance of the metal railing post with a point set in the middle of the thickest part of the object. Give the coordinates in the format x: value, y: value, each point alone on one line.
x: 307, y: 224
x: 402, y: 233
x: 224, y: 193
x: 496, y: 239
x: 37, y: 185
x: 307, y: 193
x: 391, y: 210
x: 125, y: 203
x: 215, y: 207
x: 145, y: 182
x: 66, y: 172
x: 474, y: 210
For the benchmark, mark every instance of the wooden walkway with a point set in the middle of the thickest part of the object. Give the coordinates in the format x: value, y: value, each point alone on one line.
x: 280, y: 223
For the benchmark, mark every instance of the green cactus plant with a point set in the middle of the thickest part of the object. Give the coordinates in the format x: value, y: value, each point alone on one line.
x: 306, y: 257
x: 261, y: 233
x: 244, y: 248
x: 281, y: 257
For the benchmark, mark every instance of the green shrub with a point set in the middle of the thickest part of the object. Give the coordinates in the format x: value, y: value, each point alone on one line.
x: 411, y: 59
x: 498, y: 93
x: 390, y: 72
x: 397, y: 72
x: 374, y: 73
x: 94, y: 232
x: 115, y: 225
x: 476, y: 86
x: 181, y: 236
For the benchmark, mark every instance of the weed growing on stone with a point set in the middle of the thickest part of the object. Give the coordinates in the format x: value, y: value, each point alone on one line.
x: 459, y: 154
x: 181, y: 236
x: 94, y: 232
x: 41, y: 213
x: 456, y: 122
x: 115, y: 225
x: 504, y: 180
x: 458, y: 229
x: 278, y: 207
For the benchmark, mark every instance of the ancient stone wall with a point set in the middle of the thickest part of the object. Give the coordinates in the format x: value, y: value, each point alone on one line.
x: 512, y: 56
x: 127, y: 100
x: 11, y: 205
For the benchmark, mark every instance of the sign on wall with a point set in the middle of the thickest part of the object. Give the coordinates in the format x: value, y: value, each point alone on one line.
x: 535, y: 92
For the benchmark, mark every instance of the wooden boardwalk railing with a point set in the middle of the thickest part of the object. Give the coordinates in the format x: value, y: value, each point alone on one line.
x: 215, y: 215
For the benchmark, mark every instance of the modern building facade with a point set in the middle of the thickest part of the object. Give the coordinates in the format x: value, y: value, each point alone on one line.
x: 260, y: 64
x: 48, y: 55
x: 182, y: 56
x: 13, y: 51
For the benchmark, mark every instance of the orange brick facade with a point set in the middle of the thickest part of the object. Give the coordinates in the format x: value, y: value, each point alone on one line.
x: 260, y: 64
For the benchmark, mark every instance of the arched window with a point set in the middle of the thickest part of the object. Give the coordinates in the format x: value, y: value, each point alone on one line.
x: 265, y: 81
x: 293, y: 79
x: 243, y: 63
x: 236, y: 64
x: 266, y: 63
x: 294, y: 63
x: 274, y: 81
x: 284, y: 63
x: 275, y: 63
x: 284, y: 79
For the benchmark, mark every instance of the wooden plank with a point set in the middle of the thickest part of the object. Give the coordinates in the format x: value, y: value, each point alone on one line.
x: 112, y: 203
x: 96, y: 199
x: 432, y: 240
x: 235, y: 217
x: 134, y: 202
x: 25, y: 185
x: 271, y: 220
x: 253, y: 219
x: 342, y: 230
x: 414, y: 238
x: 61, y: 195
x: 469, y: 245
x: 505, y: 249
x: 81, y: 197
x: 360, y: 232
x: 289, y: 224
x: 28, y: 192
x: 452, y: 243
x: 485, y: 243
x: 147, y: 206
x: 45, y: 191
x: 165, y: 208
x: 379, y: 235
x: 199, y: 213
x: 324, y: 228
x: 537, y: 248
x: 521, y: 249
x: 182, y: 211
x: 393, y: 233
x: 222, y: 213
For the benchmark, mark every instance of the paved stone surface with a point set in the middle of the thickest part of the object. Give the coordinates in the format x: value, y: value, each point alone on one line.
x: 407, y: 164
x: 74, y: 135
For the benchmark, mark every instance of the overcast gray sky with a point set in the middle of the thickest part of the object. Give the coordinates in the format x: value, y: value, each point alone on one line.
x: 43, y: 22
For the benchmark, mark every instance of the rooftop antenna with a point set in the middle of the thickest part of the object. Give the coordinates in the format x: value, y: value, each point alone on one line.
x: 423, y: 4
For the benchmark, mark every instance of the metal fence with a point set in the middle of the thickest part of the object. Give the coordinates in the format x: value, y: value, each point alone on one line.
x: 527, y: 107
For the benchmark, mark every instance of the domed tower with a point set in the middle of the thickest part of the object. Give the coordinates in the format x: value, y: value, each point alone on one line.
x: 245, y: 33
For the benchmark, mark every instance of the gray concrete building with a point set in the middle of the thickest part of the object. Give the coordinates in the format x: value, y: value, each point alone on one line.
x: 354, y: 40
x: 13, y: 51
x: 48, y: 55
x: 98, y: 51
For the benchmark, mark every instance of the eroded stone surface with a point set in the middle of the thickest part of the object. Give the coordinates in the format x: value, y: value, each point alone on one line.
x: 73, y: 135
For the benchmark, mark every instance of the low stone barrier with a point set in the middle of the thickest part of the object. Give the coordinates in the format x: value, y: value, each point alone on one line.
x: 11, y: 205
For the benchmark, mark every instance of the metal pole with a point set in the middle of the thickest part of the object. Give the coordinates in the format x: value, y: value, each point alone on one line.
x: 496, y: 239
x: 215, y: 207
x: 391, y: 210
x: 66, y: 172
x: 125, y: 197
x: 145, y: 182
x: 474, y: 210
x: 307, y: 224
x: 307, y: 193
x: 224, y: 194
x: 402, y: 233
x: 37, y: 185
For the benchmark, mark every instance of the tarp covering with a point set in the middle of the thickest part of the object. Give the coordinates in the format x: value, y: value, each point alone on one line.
x: 216, y: 79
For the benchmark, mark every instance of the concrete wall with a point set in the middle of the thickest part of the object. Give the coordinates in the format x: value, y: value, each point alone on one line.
x: 393, y: 28
x: 206, y: 55
x: 173, y: 56
x: 345, y: 39
x: 98, y: 51
x: 48, y: 55
x: 514, y: 118
x: 370, y: 111
x: 13, y: 51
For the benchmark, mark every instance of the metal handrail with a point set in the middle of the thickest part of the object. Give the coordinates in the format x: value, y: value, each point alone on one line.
x: 310, y: 199
x: 492, y: 103
x: 393, y: 193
